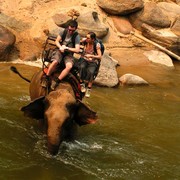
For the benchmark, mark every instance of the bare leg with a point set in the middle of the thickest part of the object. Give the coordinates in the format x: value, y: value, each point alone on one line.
x: 90, y: 84
x: 63, y: 74
x: 65, y: 71
x: 52, y: 67
x: 46, y: 81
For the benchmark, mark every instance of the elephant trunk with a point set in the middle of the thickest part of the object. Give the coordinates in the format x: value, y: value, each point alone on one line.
x: 54, y: 140
x: 55, y: 121
x: 53, y: 149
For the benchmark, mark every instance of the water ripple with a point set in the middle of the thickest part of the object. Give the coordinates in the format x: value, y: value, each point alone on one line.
x: 22, y: 98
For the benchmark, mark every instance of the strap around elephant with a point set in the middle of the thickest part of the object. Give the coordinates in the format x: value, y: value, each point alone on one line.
x: 75, y: 85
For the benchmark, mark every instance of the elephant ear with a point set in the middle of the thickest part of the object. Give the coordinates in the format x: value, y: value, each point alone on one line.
x: 84, y: 115
x: 35, y: 109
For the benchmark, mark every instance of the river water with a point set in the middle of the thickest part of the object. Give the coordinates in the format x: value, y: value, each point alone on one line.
x: 137, y: 135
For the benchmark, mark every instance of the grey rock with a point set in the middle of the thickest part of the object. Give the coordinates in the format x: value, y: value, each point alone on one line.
x: 120, y: 7
x: 159, y: 57
x: 131, y: 79
x: 88, y: 22
x: 151, y: 15
x: 107, y: 75
x: 7, y: 40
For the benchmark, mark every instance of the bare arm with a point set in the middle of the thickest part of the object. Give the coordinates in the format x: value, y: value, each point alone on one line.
x: 58, y: 40
x: 75, y: 50
x: 97, y: 56
x: 63, y: 47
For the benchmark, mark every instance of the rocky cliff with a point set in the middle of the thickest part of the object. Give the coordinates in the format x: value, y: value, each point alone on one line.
x: 30, y: 20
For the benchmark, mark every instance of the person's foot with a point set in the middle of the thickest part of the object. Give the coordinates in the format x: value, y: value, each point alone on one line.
x: 54, y: 84
x: 83, y: 88
x: 45, y: 82
x: 88, y: 92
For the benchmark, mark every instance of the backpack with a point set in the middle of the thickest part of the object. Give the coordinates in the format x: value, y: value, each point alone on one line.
x: 49, y: 48
x: 73, y: 37
x: 101, y: 44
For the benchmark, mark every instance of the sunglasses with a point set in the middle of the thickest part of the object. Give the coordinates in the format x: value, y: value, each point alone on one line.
x: 71, y: 30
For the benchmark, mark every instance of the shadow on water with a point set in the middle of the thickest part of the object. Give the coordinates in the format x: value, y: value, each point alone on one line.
x: 136, y: 136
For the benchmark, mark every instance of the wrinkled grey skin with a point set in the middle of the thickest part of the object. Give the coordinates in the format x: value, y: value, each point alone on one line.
x: 60, y: 111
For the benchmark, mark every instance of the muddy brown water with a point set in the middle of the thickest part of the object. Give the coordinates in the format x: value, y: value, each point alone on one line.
x: 137, y: 135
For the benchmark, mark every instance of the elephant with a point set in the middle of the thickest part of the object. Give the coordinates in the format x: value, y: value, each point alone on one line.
x: 59, y: 111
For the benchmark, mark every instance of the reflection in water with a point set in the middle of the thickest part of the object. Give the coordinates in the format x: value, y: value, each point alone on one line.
x: 136, y: 136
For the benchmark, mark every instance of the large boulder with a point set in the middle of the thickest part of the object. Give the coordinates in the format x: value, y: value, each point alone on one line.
x: 131, y: 79
x: 164, y: 37
x: 61, y: 19
x: 151, y: 15
x: 120, y: 7
x: 107, y: 75
x: 176, y: 26
x: 159, y: 57
x: 122, y: 24
x: 7, y: 40
x: 89, y: 21
x: 172, y: 10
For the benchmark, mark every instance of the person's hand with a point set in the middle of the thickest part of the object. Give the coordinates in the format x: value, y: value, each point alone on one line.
x: 62, y: 48
x: 90, y: 59
x: 88, y: 56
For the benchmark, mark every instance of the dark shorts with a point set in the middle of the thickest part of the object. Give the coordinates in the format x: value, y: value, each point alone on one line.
x: 58, y: 56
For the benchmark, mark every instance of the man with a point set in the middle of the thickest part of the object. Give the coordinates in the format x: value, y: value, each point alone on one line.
x: 66, y: 47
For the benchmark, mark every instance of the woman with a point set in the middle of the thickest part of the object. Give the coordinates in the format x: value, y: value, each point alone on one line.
x: 90, y: 60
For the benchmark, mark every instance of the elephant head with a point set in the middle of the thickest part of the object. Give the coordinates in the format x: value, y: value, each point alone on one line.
x: 61, y: 113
